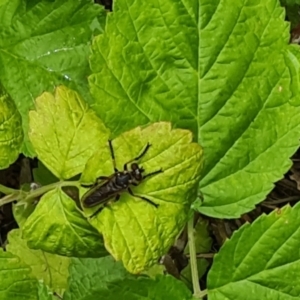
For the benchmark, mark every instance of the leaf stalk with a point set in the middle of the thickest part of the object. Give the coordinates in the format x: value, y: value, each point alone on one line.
x: 193, y: 260
x: 16, y: 195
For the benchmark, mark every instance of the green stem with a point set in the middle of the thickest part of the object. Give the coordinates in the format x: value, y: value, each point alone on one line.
x: 15, y: 195
x: 44, y: 189
x: 6, y: 190
x: 193, y: 259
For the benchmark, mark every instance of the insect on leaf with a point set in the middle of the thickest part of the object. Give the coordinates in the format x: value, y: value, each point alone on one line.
x: 135, y: 231
x: 226, y: 72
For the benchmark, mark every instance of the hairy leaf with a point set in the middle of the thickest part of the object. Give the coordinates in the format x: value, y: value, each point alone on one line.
x: 135, y: 231
x: 42, y: 45
x: 17, y: 282
x: 223, y: 71
x: 260, y: 260
x: 51, y: 269
x: 65, y: 132
x: 11, y: 134
x: 57, y: 226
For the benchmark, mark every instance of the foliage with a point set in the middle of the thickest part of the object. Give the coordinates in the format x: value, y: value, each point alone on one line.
x: 176, y: 75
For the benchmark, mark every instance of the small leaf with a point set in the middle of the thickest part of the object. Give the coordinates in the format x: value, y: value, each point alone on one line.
x: 135, y: 231
x: 44, y: 44
x: 92, y: 275
x: 65, y: 132
x: 103, y: 278
x: 17, y: 282
x: 42, y: 175
x: 51, y: 269
x: 57, y: 226
x: 260, y: 261
x: 11, y: 133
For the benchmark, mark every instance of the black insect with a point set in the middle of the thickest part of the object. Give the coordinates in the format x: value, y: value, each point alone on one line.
x: 108, y: 187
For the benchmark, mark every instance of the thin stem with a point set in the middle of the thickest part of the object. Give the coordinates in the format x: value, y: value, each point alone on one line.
x: 8, y: 198
x: 6, y: 190
x: 44, y: 189
x: 193, y: 259
x: 26, y: 196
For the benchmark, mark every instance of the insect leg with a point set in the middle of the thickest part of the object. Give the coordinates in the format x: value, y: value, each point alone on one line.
x: 139, y: 156
x: 104, y: 205
x: 153, y: 173
x: 112, y: 155
x: 141, y: 197
x: 96, y: 212
x: 87, y: 185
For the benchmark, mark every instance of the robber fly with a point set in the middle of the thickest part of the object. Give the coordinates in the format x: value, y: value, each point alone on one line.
x: 108, y: 187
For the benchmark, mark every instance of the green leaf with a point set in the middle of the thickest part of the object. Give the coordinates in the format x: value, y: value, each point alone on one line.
x: 135, y: 231
x: 103, y: 278
x: 11, y: 134
x: 65, y: 132
x: 22, y: 212
x: 163, y: 287
x: 17, y: 282
x: 45, y: 293
x: 144, y: 65
x: 44, y: 45
x: 289, y: 2
x: 51, y: 269
x: 260, y: 261
x: 57, y: 226
x: 223, y: 71
x: 292, y: 15
x: 42, y: 175
x: 92, y: 275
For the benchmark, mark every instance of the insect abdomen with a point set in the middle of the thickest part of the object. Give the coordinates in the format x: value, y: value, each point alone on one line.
x: 100, y: 195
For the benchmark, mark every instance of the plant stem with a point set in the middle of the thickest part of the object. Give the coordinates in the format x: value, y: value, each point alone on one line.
x: 6, y: 190
x: 193, y: 259
x: 14, y: 195
x: 44, y: 189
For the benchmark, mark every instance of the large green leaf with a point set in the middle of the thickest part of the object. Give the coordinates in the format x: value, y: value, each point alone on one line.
x: 43, y: 45
x: 135, y: 231
x: 223, y: 70
x: 57, y: 226
x: 65, y: 132
x: 260, y: 261
x: 11, y: 133
x: 105, y: 279
x: 17, y: 282
x: 51, y: 269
